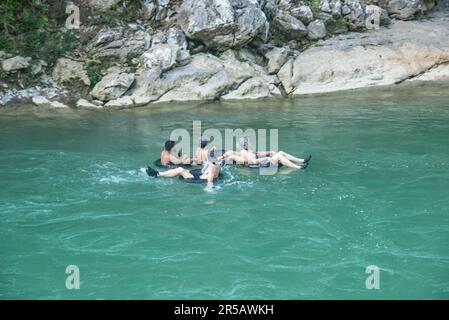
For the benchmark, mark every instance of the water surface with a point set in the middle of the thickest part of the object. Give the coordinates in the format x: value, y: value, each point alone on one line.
x: 376, y: 193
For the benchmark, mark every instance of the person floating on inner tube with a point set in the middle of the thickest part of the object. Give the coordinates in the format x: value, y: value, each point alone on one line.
x: 201, y: 152
x: 209, y: 172
x: 169, y: 156
x: 249, y: 157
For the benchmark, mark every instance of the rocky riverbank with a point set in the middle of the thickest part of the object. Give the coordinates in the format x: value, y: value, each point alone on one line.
x: 232, y: 49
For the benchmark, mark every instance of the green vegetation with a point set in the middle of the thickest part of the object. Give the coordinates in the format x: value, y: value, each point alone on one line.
x: 93, y: 72
x: 340, y: 23
x: 96, y: 68
x: 121, y: 13
x: 155, y: 24
x: 313, y: 4
x: 280, y: 34
x: 130, y: 57
x: 2, y: 74
x: 26, y: 29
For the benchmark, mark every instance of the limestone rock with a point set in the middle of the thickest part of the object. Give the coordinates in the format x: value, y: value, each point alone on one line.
x: 285, y: 75
x: 276, y: 58
x: 206, y: 77
x: 404, y: 9
x: 102, y: 5
x: 255, y: 88
x: 122, y: 102
x: 83, y: 103
x: 222, y: 24
x: 67, y: 70
x: 438, y: 73
x: 161, y: 55
x: 303, y: 13
x: 356, y: 17
x: 149, y: 8
x: 317, y: 30
x: 112, y: 86
x: 40, y: 101
x: 16, y: 63
x: 58, y: 105
x: 384, y: 57
x: 294, y: 29
x: 119, y: 42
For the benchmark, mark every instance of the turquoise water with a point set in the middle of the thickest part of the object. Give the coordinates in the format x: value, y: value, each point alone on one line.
x: 376, y: 193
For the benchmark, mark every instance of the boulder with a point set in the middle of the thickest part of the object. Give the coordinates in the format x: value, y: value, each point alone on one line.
x: 142, y: 100
x: 333, y: 7
x: 59, y: 105
x: 285, y: 76
x: 206, y: 77
x: 317, y: 30
x: 40, y: 101
x: 255, y: 88
x: 67, y: 70
x: 102, y: 5
x: 268, y: 7
x: 149, y: 8
x: 38, y: 66
x: 292, y: 28
x: 176, y: 37
x: 276, y: 58
x: 119, y: 42
x: 83, y: 103
x: 438, y: 73
x: 384, y: 57
x: 303, y: 13
x: 112, y: 86
x: 122, y: 102
x: 404, y: 9
x: 16, y: 63
x: 161, y: 55
x: 355, y: 19
x: 222, y: 24
x: 430, y: 4
x: 336, y: 6
x: 325, y: 6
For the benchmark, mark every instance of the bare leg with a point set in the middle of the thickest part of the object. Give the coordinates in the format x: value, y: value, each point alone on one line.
x: 284, y: 161
x: 290, y: 157
x: 235, y: 158
x: 208, y: 175
x: 176, y: 172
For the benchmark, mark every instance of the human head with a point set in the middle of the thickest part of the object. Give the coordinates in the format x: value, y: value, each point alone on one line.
x: 169, y: 145
x: 244, y: 143
x: 204, y: 142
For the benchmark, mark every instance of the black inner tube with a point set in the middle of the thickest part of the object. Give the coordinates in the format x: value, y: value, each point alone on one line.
x: 196, y: 177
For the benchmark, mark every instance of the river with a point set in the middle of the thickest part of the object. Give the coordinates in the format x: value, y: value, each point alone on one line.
x: 376, y: 193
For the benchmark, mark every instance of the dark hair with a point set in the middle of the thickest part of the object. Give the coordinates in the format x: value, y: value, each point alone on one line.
x: 169, y: 145
x: 204, y: 143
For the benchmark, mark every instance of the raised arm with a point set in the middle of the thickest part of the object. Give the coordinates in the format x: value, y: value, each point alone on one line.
x: 175, y: 160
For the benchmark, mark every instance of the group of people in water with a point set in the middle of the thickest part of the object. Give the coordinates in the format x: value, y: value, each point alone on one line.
x: 211, y: 160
